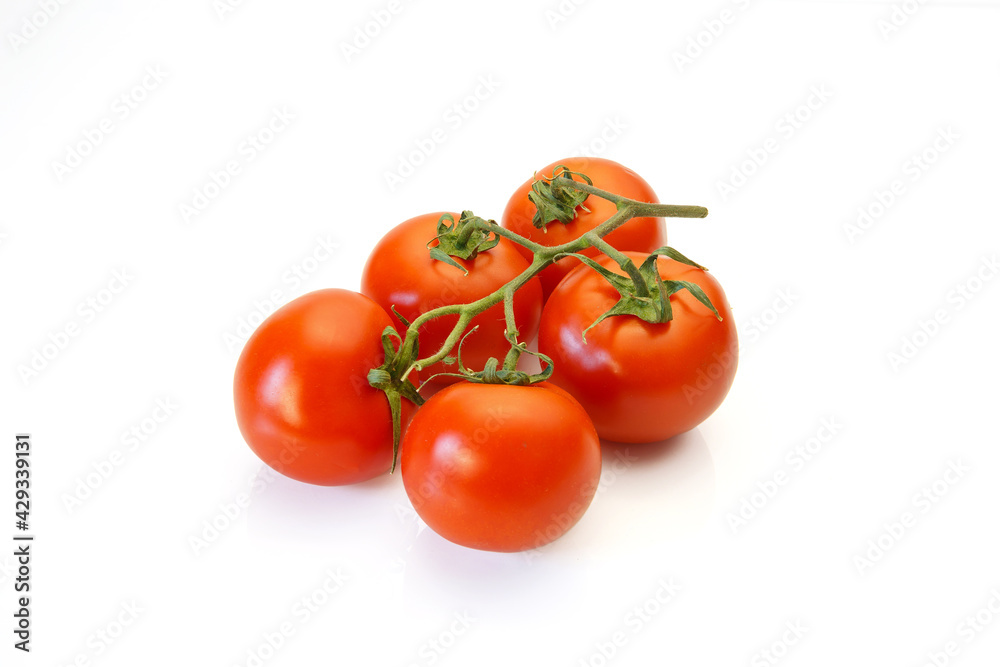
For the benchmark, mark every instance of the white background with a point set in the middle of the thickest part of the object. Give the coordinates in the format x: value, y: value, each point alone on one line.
x: 607, y: 79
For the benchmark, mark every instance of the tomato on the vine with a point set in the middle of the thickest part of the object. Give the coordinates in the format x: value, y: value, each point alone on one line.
x: 303, y: 402
x: 642, y: 234
x: 400, y: 273
x: 500, y: 467
x: 638, y: 381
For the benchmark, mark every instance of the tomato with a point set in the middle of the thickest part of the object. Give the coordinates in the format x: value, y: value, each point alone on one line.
x: 642, y: 234
x: 400, y: 272
x: 499, y: 467
x: 303, y: 402
x: 640, y: 382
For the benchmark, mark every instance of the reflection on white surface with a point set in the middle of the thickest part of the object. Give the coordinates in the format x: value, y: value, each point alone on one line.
x: 649, y: 497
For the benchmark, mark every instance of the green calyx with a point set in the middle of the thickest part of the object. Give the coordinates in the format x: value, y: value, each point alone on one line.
x: 650, y: 300
x: 556, y: 201
x: 388, y: 379
x: 463, y: 239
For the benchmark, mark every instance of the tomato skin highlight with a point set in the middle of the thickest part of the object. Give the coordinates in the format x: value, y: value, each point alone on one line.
x: 501, y: 468
x: 401, y: 273
x: 303, y: 402
x: 640, y: 382
x: 641, y: 234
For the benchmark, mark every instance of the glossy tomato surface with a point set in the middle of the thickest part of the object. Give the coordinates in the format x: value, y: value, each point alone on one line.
x: 401, y: 273
x: 501, y: 468
x: 303, y: 402
x: 641, y: 234
x: 640, y: 382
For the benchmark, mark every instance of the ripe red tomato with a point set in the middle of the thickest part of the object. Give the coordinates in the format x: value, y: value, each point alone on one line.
x: 303, y: 402
x: 640, y: 382
x: 501, y: 468
x: 642, y: 234
x: 400, y: 272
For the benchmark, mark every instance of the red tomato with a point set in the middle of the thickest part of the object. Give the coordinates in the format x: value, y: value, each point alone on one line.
x: 640, y: 382
x: 401, y: 273
x: 642, y: 234
x: 303, y: 402
x: 501, y: 468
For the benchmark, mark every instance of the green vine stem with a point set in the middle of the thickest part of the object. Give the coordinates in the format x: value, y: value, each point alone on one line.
x: 516, y: 349
x: 543, y: 257
x: 393, y: 376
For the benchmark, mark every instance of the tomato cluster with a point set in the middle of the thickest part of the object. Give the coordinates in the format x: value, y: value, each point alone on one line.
x: 494, y: 461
